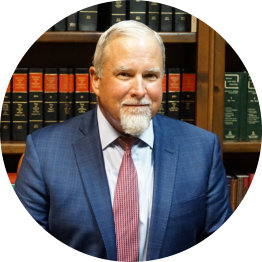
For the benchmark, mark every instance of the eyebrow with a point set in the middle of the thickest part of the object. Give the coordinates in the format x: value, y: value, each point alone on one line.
x: 153, y: 70
x: 150, y: 70
x: 122, y: 68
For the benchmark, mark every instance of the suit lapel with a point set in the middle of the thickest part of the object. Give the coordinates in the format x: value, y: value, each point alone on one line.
x: 165, y: 162
x: 90, y: 161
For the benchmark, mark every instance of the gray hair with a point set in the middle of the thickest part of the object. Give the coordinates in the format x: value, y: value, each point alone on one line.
x: 123, y: 28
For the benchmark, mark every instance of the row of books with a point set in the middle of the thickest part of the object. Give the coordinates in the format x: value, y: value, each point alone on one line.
x: 12, y: 177
x: 238, y: 185
x: 38, y: 97
x: 159, y: 17
x: 242, y: 118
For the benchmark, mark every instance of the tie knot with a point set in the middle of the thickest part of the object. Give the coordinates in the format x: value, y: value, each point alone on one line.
x: 126, y: 142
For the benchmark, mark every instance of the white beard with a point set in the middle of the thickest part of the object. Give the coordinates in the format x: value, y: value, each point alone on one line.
x: 135, y: 120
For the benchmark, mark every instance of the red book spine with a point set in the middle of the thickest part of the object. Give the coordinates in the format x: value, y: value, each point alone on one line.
x: 66, y: 93
x: 12, y: 177
x: 50, y: 96
x: 188, y: 97
x: 173, y: 93
x: 162, y: 108
x: 81, y: 90
x: 35, y: 99
x: 92, y: 97
x: 251, y: 176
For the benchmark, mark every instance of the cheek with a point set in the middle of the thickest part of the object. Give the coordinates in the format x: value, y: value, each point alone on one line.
x: 156, y: 94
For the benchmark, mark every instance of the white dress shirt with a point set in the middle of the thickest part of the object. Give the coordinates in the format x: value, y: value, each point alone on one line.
x: 143, y: 159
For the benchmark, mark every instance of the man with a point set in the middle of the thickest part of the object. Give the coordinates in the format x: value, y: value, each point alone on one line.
x: 69, y: 179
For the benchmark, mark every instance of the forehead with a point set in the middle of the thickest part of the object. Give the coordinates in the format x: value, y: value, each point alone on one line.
x: 132, y: 47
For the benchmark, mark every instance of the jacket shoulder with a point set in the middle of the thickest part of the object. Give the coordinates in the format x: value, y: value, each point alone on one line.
x: 170, y: 127
x: 62, y: 132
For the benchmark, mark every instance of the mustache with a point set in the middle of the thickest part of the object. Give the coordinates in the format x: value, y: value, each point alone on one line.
x: 135, y: 101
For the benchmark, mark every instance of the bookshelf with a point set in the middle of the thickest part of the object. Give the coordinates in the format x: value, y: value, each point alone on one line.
x: 205, y: 51
x: 240, y: 147
x: 92, y: 37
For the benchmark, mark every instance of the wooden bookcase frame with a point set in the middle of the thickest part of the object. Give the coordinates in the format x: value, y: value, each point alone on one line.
x: 210, y: 64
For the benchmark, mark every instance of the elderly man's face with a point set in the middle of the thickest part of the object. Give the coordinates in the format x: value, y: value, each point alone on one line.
x: 131, y: 84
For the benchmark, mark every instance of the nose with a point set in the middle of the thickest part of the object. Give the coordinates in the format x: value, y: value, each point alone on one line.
x: 138, y: 88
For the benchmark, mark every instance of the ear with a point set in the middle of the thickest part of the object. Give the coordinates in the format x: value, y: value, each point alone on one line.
x: 94, y: 80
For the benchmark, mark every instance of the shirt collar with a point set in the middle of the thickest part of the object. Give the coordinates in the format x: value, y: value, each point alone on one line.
x: 108, y: 134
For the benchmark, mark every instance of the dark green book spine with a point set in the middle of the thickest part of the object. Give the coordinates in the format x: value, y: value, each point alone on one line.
x: 232, y: 106
x: 71, y: 22
x: 243, y: 106
x: 81, y: 90
x: 6, y: 115
x: 118, y: 12
x: 50, y: 96
x: 182, y: 21
x: 35, y: 99
x: 20, y: 104
x: 87, y: 19
x: 173, y: 93
x: 137, y: 10
x: 66, y: 93
x: 153, y: 18
x: 60, y: 26
x: 166, y: 18
x: 253, y: 114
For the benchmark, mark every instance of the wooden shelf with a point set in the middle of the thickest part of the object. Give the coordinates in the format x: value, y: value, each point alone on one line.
x: 92, y: 37
x: 241, y: 147
x: 13, y: 147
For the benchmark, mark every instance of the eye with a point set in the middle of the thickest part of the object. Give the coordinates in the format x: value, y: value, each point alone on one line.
x: 151, y: 76
x: 123, y: 75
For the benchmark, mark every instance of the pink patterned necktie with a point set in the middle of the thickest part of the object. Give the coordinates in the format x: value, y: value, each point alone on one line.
x: 126, y: 206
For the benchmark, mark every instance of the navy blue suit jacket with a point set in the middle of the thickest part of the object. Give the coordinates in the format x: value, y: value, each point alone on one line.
x: 63, y: 184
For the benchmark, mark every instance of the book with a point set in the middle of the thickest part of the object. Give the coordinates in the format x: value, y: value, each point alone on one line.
x: 87, y: 19
x: 229, y: 178
x: 60, y: 26
x: 162, y: 108
x: 245, y: 185
x: 19, y: 104
x: 50, y: 96
x: 193, y: 24
x: 241, y: 187
x: 153, y: 19
x: 253, y: 125
x: 243, y: 107
x: 66, y: 93
x: 92, y: 97
x: 137, y: 10
x: 173, y: 93
x: 233, y: 193
x: 188, y: 97
x: 182, y: 21
x: 235, y: 106
x: 118, y: 12
x: 250, y: 178
x: 71, y: 22
x: 35, y: 99
x: 81, y: 90
x: 6, y: 115
x: 166, y: 18
x: 238, y: 185
x: 12, y: 178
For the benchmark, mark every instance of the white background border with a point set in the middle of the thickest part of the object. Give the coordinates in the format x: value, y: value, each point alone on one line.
x: 22, y: 22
